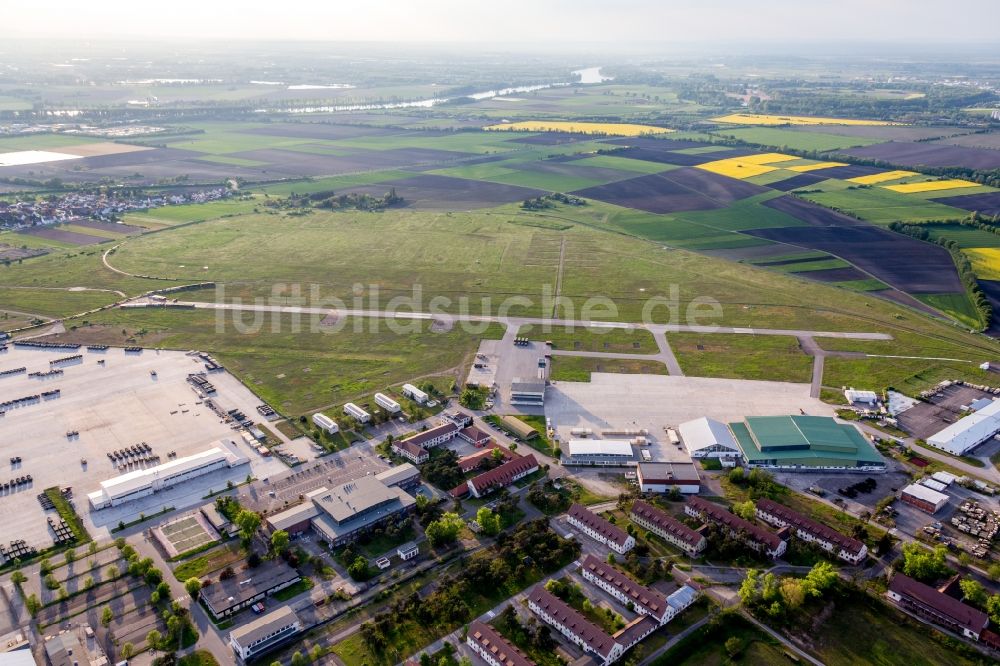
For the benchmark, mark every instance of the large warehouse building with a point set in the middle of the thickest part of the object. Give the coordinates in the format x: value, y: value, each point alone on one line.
x: 966, y: 434
x: 805, y: 444
x: 603, y: 452
x: 708, y: 438
x: 144, y: 482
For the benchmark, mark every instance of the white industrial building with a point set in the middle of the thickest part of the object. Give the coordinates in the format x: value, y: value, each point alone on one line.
x: 387, y: 403
x: 145, y: 482
x: 265, y: 633
x: 854, y: 397
x: 356, y: 413
x: 324, y: 422
x: 708, y: 438
x: 415, y: 394
x: 966, y: 434
x: 606, y: 452
x: 924, y: 498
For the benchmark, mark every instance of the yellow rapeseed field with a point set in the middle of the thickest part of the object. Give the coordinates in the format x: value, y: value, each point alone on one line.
x: 765, y: 158
x: 931, y: 186
x: 813, y: 167
x: 736, y: 168
x: 881, y: 177
x: 608, y: 129
x: 985, y: 262
x: 764, y: 119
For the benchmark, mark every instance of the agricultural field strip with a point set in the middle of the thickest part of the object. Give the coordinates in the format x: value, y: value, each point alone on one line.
x: 523, y: 321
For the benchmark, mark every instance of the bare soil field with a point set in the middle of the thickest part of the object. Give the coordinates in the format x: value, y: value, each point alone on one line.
x: 107, y: 226
x: 796, y: 182
x: 811, y: 213
x: 900, y: 261
x: 433, y: 192
x: 308, y: 164
x: 674, y: 191
x: 667, y: 157
x: 986, y: 204
x: 990, y: 140
x: 929, y: 154
x: 11, y: 253
x: 102, y: 148
x: 63, y: 236
x: 845, y: 172
x: 834, y: 275
x: 657, y: 144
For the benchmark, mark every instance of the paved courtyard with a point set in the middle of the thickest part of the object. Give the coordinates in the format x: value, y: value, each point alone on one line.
x: 656, y: 402
x: 111, y: 405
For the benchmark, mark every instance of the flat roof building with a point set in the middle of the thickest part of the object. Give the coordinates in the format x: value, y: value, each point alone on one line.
x: 356, y: 413
x: 668, y: 528
x: 387, y: 403
x: 526, y: 392
x: 600, y: 452
x: 967, y: 433
x: 656, y: 477
x: 404, y: 476
x: 924, y: 498
x: 599, y: 529
x: 265, y: 633
x: 846, y: 548
x: 755, y: 537
x: 356, y: 506
x: 708, y: 438
x: 225, y: 597
x: 805, y: 443
x: 324, y: 422
x: 342, y: 513
x: 144, y: 482
x: 414, y: 394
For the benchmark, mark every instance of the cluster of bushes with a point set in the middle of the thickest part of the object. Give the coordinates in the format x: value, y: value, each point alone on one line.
x: 547, y: 499
x: 776, y: 597
x: 512, y: 562
x: 759, y: 482
x: 442, y: 469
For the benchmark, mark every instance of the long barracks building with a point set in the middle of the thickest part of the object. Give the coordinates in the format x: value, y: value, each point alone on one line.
x: 754, y: 536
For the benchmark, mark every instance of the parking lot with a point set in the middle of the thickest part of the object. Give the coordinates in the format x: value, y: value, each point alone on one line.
x: 944, y: 408
x: 612, y: 402
x: 109, y: 400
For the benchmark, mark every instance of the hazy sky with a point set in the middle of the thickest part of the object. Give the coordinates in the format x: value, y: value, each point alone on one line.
x: 541, y: 21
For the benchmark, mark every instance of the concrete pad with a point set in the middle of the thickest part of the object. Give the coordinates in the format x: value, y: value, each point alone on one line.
x: 113, y: 406
x: 656, y: 402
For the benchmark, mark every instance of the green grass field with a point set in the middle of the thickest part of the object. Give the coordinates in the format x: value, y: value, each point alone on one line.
x: 297, y: 367
x: 954, y: 305
x: 741, y: 215
x: 629, y: 341
x: 706, y: 646
x: 738, y: 356
x: 881, y: 206
x: 964, y: 236
x: 793, y: 139
x: 171, y: 215
x: 578, y: 368
x: 52, y: 302
x: 624, y: 164
x: 332, y: 183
